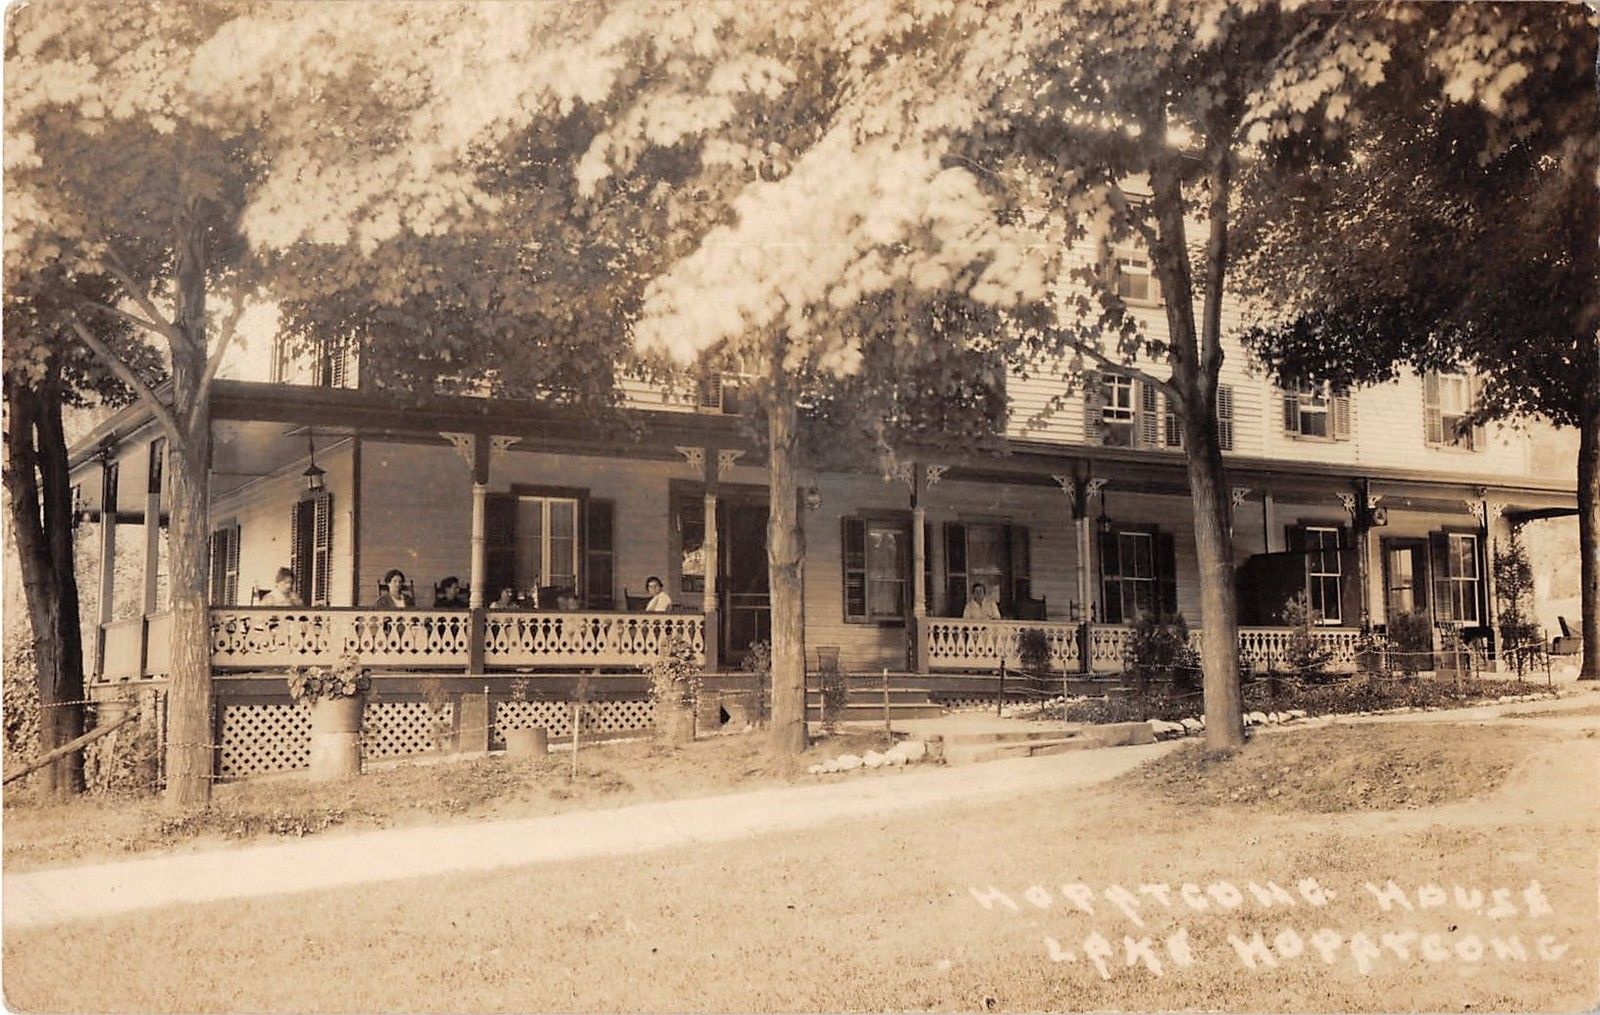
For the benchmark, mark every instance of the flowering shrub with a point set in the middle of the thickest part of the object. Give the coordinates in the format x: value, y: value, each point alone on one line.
x: 344, y: 679
x: 675, y: 676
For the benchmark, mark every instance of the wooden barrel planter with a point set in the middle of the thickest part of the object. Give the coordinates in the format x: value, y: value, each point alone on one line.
x: 533, y: 742
x: 336, y: 737
x: 675, y: 725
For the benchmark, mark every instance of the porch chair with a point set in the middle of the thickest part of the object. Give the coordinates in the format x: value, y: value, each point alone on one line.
x: 1028, y: 608
x: 1569, y: 643
x: 550, y: 595
x: 635, y: 604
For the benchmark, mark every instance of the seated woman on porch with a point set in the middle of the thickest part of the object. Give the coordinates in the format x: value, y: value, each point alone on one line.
x: 394, y: 596
x: 283, y: 593
x: 659, y: 602
x: 506, y: 600
x: 450, y: 596
x: 979, y: 607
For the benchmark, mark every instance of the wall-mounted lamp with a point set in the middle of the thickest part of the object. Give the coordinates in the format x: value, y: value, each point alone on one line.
x: 813, y: 498
x: 313, y: 474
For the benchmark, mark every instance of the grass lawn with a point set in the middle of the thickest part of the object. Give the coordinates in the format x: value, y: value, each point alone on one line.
x: 609, y: 775
x: 878, y: 915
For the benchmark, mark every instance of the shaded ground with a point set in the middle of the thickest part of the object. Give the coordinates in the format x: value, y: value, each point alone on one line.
x: 1336, y: 769
x: 609, y: 775
x: 879, y: 914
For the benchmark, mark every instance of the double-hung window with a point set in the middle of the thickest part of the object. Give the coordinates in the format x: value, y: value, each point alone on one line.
x: 877, y: 569
x: 1313, y: 409
x: 546, y: 550
x: 1457, y: 577
x: 1447, y: 411
x: 1324, y: 573
x: 1136, y: 280
x: 1117, y: 413
x: 1138, y: 574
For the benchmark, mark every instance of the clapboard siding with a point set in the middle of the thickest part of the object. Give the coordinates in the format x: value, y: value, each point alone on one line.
x: 417, y: 503
x: 264, y: 513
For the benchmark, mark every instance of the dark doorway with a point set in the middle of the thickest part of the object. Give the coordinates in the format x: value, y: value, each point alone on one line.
x: 745, y: 606
x: 1405, y: 576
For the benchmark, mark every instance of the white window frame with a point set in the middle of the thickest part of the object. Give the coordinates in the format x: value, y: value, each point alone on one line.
x: 1469, y: 584
x: 1119, y: 411
x: 1455, y: 387
x: 1319, y: 577
x: 544, y: 541
x: 1130, y: 265
x: 1315, y: 400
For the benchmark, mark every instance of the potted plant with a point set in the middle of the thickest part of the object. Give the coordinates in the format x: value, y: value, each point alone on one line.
x: 336, y: 696
x: 675, y: 688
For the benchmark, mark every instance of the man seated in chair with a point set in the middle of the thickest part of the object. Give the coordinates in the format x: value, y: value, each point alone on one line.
x: 980, y: 607
x: 450, y: 595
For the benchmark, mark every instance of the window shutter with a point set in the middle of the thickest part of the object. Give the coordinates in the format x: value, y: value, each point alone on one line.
x: 1094, y: 407
x: 339, y: 368
x: 1291, y: 412
x: 1294, y: 538
x: 1110, y: 571
x: 1020, y: 560
x: 1225, y: 416
x: 1174, y: 425
x: 1149, y: 415
x: 1167, y: 572
x: 854, y: 545
x: 321, y: 549
x: 599, y: 556
x: 300, y: 525
x: 214, y: 569
x: 1477, y: 435
x: 230, y: 579
x: 1340, y: 413
x: 955, y: 567
x: 500, y: 531
x: 1439, y: 569
x: 1432, y: 419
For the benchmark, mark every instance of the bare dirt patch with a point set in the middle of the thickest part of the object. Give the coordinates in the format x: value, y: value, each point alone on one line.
x: 1354, y: 768
x: 1555, y: 713
x: 609, y: 775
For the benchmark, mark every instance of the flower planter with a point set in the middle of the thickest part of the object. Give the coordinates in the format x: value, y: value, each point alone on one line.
x: 336, y: 737
x: 527, y: 743
x: 675, y: 725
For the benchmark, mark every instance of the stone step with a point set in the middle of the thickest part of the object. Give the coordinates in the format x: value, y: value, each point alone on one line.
x: 971, y: 754
x: 970, y: 748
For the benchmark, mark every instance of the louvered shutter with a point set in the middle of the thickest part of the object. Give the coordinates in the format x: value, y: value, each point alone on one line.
x: 1339, y: 411
x: 1291, y: 412
x: 301, y: 524
x: 1174, y: 425
x: 339, y: 368
x: 1149, y: 418
x: 1167, y: 572
x: 500, y: 531
x: 1020, y: 561
x: 321, y: 549
x: 1094, y: 407
x: 1439, y: 569
x: 230, y: 575
x: 1225, y: 416
x: 1477, y: 435
x: 1432, y: 419
x: 599, y: 555
x: 853, y: 543
x: 955, y: 567
x: 1110, y: 587
x: 215, y: 567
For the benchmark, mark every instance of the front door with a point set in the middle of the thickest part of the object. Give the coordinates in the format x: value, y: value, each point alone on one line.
x: 744, y: 602
x: 1405, y: 577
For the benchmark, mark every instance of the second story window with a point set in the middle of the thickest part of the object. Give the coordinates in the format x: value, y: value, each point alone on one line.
x: 1118, y: 425
x: 1135, y: 280
x: 1447, y: 402
x: 1314, y: 410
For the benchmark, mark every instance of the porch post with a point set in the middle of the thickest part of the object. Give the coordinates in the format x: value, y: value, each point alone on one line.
x: 152, y: 546
x: 1358, y: 526
x: 1493, y: 525
x: 708, y: 598
x: 480, y: 553
x: 152, y: 523
x: 108, y: 553
x: 918, y: 651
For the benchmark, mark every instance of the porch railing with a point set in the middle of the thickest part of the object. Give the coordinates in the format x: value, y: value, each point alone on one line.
x: 952, y: 643
x: 955, y: 644
x: 273, y: 638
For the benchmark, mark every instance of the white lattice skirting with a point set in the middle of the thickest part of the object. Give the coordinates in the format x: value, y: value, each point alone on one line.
x: 275, y: 738
x: 556, y: 716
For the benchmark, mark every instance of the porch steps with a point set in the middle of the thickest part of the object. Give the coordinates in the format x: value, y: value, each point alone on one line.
x: 973, y: 748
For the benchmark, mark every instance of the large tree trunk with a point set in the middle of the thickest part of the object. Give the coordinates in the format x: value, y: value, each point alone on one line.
x: 189, y: 705
x: 1219, y: 618
x: 785, y: 565
x: 1589, y: 533
x: 60, y: 690
x: 55, y: 479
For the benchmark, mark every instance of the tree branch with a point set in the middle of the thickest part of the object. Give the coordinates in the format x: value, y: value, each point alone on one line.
x: 160, y: 329
x: 131, y: 378
x: 1078, y: 345
x: 159, y: 322
x: 230, y: 327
